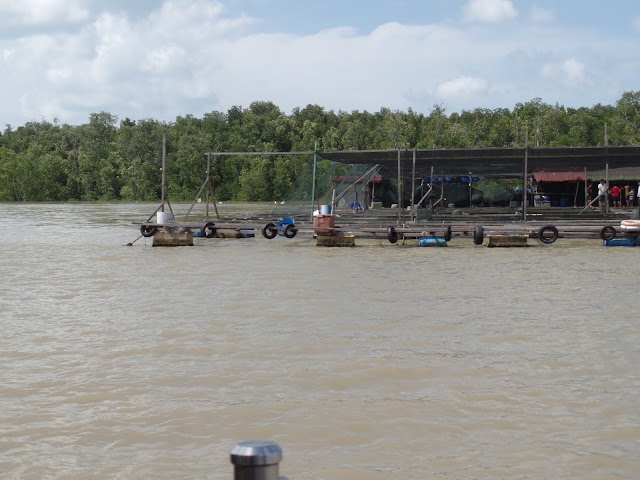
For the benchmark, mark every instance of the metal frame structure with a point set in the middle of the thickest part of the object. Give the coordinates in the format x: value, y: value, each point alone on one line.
x: 489, y: 161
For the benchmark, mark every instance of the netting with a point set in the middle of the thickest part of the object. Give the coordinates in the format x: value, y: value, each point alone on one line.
x: 344, y: 187
x: 317, y: 182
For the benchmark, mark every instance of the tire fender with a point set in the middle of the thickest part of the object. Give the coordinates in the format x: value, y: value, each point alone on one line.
x: 269, y: 231
x: 543, y: 234
x: 478, y: 235
x: 208, y: 230
x: 148, y: 230
x: 392, y: 235
x: 290, y: 230
x: 608, y: 233
x: 447, y: 233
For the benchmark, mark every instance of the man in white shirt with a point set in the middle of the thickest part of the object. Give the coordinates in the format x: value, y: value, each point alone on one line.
x: 602, y: 195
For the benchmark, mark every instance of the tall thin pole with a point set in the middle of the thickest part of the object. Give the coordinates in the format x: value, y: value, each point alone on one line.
x: 400, y: 213
x: 606, y: 172
x: 208, y: 180
x: 524, y: 176
x: 430, y: 187
x: 313, y: 185
x: 164, y: 161
x: 586, y: 188
x: 413, y: 188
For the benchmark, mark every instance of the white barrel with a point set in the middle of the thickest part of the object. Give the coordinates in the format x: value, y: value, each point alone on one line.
x: 164, y: 217
x: 325, y: 209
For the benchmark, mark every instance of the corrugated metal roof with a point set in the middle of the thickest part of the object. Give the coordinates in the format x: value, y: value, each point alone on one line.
x: 491, y: 161
x: 577, y: 174
x: 508, y: 161
x: 559, y: 175
x: 619, y: 174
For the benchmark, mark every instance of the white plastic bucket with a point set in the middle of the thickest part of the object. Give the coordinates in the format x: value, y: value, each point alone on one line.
x: 164, y: 217
x: 325, y: 209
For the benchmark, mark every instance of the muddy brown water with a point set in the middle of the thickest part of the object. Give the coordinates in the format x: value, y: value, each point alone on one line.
x: 373, y: 362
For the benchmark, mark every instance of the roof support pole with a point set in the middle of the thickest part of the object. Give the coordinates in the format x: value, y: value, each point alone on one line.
x: 400, y: 208
x: 524, y: 176
x: 586, y: 189
x: 213, y: 195
x: 164, y: 161
x: 313, y: 182
x: 209, y: 180
x: 606, y: 170
x: 413, y: 188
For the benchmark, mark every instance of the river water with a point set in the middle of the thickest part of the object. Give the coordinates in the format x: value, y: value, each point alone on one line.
x: 374, y: 362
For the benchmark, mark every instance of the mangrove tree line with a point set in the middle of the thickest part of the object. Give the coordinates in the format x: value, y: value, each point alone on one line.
x: 108, y: 159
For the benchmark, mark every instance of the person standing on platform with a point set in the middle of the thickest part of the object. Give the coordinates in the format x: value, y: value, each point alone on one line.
x: 615, y: 194
x: 625, y: 196
x: 602, y: 195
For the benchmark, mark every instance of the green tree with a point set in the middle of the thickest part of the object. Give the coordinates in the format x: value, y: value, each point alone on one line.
x: 627, y: 119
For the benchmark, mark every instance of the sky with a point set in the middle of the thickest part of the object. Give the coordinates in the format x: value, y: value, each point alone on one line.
x: 62, y: 60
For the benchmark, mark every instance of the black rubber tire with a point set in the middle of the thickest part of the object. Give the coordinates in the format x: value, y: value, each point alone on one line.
x: 544, y: 238
x: 478, y: 235
x: 392, y: 235
x: 208, y: 230
x: 447, y: 233
x: 290, y: 230
x: 148, y: 230
x: 608, y: 233
x: 269, y: 231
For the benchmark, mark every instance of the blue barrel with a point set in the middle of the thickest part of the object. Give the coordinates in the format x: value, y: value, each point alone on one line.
x: 564, y: 202
x: 622, y: 242
x: 432, y: 242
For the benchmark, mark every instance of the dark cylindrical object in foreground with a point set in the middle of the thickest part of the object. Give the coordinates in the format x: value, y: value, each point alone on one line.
x: 256, y: 460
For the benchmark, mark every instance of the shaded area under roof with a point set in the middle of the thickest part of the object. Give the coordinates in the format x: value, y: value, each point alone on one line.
x: 490, y: 161
x: 573, y: 174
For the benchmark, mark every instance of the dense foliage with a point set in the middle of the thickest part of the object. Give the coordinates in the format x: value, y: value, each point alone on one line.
x: 106, y: 160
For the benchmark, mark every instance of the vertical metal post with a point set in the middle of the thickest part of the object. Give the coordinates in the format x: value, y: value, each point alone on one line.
x: 524, y: 176
x: 313, y: 183
x: 413, y: 188
x: 431, y: 187
x: 606, y: 171
x: 208, y: 180
x: 586, y: 188
x: 400, y: 213
x: 164, y: 161
x: 256, y: 460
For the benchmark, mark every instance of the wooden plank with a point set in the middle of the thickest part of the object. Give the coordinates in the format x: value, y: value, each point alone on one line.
x: 507, y: 241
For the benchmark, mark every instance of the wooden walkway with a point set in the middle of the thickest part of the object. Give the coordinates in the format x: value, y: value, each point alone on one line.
x: 545, y: 224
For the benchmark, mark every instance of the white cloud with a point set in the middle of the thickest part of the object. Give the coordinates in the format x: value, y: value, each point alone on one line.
x: 193, y: 19
x: 194, y: 57
x: 571, y: 71
x: 463, y: 86
x: 163, y: 59
x: 574, y: 70
x: 490, y: 11
x: 540, y: 15
x: 35, y: 12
